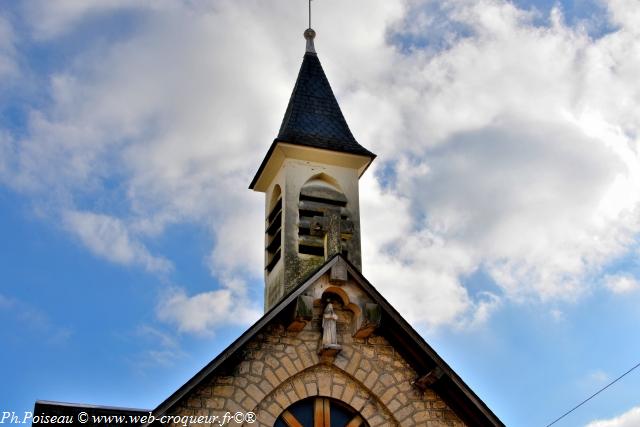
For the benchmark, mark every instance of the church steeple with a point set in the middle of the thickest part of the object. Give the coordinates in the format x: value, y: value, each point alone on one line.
x: 313, y: 116
x: 310, y: 178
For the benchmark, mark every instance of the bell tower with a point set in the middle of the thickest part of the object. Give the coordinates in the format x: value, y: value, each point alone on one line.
x: 310, y: 179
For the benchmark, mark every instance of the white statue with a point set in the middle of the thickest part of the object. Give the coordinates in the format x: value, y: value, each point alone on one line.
x: 329, y: 334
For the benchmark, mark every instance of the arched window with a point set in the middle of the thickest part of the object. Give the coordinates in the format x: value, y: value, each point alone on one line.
x: 317, y: 196
x: 273, y: 238
x: 320, y: 411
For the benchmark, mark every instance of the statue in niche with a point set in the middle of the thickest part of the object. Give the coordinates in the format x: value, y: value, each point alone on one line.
x: 329, y: 333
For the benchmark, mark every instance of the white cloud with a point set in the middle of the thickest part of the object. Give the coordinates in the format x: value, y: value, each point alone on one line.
x: 52, y: 19
x: 630, y: 418
x: 108, y: 237
x: 503, y: 146
x: 401, y: 262
x: 515, y: 155
x: 625, y: 13
x: 621, y: 283
x: 208, y: 311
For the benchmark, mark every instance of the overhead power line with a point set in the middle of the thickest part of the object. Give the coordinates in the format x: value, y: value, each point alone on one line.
x: 592, y: 396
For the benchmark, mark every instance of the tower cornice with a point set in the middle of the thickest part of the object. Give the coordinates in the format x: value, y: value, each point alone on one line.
x: 281, y: 150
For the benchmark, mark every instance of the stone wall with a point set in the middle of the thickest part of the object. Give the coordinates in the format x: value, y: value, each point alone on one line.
x: 281, y: 367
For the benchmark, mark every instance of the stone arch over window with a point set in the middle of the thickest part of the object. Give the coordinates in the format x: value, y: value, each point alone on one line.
x: 323, y: 411
x: 324, y: 381
x: 320, y: 197
x: 273, y: 227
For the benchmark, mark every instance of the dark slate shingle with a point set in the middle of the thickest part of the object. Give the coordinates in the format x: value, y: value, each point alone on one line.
x: 313, y: 117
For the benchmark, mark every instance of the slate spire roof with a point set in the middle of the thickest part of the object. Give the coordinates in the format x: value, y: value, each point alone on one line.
x: 313, y: 117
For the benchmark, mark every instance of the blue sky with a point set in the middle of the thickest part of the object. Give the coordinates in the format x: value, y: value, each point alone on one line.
x: 507, y: 137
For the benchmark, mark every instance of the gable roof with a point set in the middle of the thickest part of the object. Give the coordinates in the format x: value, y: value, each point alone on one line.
x: 423, y: 358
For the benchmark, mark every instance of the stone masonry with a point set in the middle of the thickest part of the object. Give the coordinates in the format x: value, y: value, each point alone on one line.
x: 280, y: 367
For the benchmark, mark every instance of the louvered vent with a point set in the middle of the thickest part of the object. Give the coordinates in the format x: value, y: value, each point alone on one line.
x: 318, y: 197
x: 274, y: 235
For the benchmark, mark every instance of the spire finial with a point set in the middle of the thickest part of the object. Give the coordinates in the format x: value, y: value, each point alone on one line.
x: 309, y: 35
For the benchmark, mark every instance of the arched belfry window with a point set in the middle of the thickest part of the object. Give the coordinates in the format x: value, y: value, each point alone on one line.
x: 320, y: 411
x: 273, y: 238
x: 319, y: 196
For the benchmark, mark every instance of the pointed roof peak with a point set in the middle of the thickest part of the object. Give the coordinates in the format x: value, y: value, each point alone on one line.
x: 313, y: 117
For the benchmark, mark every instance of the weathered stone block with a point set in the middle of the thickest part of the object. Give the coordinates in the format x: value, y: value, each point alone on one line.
x: 281, y: 374
x: 338, y: 274
x: 249, y: 403
x: 264, y: 418
x: 312, y: 389
x: 288, y: 365
x: 336, y: 391
x: 282, y: 399
x: 292, y: 395
x: 256, y: 393
x: 360, y: 375
x: 271, y: 361
x: 298, y: 386
x: 377, y: 420
x: 368, y: 410
x: 403, y: 413
x: 214, y: 403
x: 394, y: 405
x: 371, y: 379
x: 357, y: 402
x: 388, y: 395
x: 240, y: 382
x: 354, y: 363
x: 224, y: 390
x: 349, y: 392
x: 239, y: 395
x: 270, y: 376
x: 324, y: 385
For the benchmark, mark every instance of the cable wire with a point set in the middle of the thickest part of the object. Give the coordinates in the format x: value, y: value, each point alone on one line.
x: 592, y: 396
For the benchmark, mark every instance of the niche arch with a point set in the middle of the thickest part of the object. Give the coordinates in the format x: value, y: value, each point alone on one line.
x: 343, y: 297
